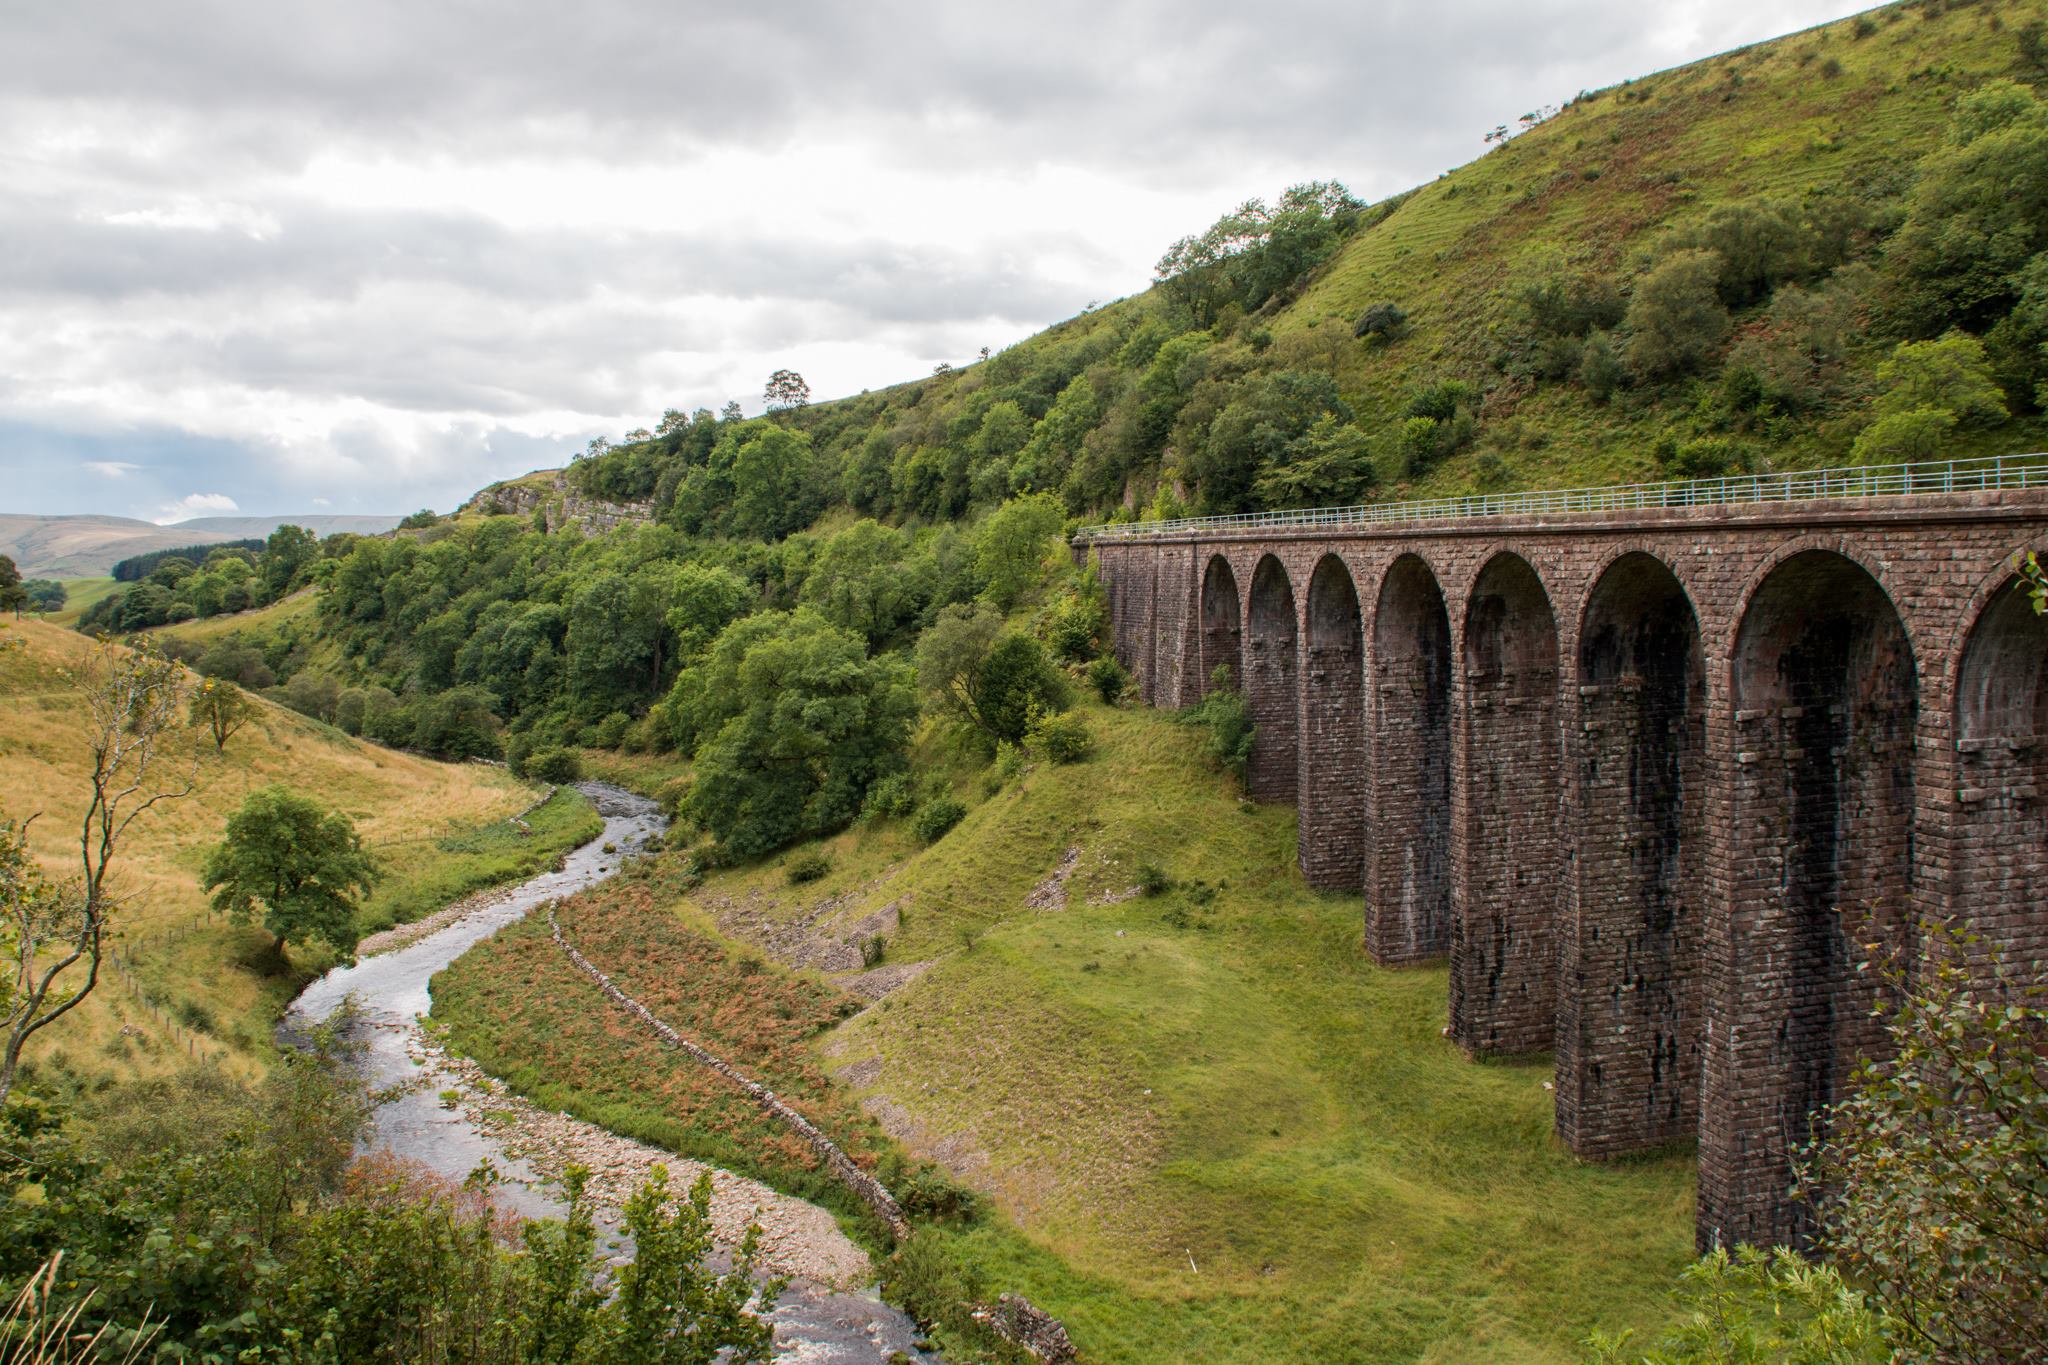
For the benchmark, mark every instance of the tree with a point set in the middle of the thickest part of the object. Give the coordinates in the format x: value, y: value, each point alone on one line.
x: 46, y: 594
x: 1676, y: 320
x: 984, y: 678
x: 1977, y: 216
x: 786, y: 390
x: 1928, y: 389
x: 286, y: 555
x: 861, y: 582
x: 220, y: 708
x: 13, y: 595
x: 790, y: 723
x: 132, y: 703
x: 1932, y: 1176
x: 305, y: 865
x: 1010, y: 547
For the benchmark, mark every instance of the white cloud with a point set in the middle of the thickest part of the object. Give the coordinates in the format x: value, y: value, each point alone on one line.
x: 194, y: 505
x: 111, y: 469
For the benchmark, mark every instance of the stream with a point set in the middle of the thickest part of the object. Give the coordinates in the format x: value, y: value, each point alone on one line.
x: 813, y: 1322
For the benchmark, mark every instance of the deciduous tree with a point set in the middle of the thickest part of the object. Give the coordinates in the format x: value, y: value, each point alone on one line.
x: 304, y: 865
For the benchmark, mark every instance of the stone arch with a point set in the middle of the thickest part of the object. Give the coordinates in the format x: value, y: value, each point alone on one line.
x: 1222, y: 625
x: 1628, y: 1036
x: 1503, y: 991
x: 1332, y: 843
x: 1826, y: 696
x: 1408, y: 884
x: 2000, y: 836
x: 1270, y: 684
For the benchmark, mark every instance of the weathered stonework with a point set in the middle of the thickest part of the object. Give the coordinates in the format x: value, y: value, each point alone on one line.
x: 561, y: 505
x: 1651, y: 780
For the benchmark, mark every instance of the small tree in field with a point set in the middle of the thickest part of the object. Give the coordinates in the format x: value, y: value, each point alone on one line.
x: 220, y: 708
x: 132, y: 703
x: 304, y: 864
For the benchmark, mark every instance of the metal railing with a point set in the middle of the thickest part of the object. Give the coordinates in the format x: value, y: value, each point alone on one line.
x: 1802, y: 485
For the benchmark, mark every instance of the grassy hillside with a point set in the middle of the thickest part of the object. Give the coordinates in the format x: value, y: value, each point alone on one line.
x: 1210, y: 1127
x: 197, y: 984
x: 79, y: 594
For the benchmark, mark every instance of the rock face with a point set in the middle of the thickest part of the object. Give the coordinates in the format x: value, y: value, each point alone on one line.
x: 1016, y: 1319
x: 561, y: 504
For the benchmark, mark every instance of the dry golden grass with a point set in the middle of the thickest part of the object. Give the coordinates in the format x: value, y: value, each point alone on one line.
x: 197, y: 985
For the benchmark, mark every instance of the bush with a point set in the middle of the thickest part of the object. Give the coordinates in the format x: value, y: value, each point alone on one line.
x: 518, y: 748
x: 609, y: 733
x: 1600, y: 367
x: 1904, y: 437
x: 1062, y: 737
x: 892, y: 798
x: 1383, y: 322
x: 1676, y: 321
x: 1008, y: 766
x: 1152, y: 879
x: 1109, y: 678
x: 1227, y: 716
x: 555, y: 765
x: 935, y: 817
x: 806, y: 867
x: 1706, y: 458
x: 1073, y: 627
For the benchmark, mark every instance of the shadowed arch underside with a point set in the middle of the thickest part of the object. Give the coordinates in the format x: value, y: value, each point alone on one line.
x: 1408, y: 888
x: 1333, y: 764
x: 1503, y: 992
x: 1270, y: 685
x: 2001, y: 727
x: 1825, y: 691
x: 1629, y: 946
x: 1222, y: 629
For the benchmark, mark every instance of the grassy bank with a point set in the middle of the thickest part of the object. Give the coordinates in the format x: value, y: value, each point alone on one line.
x: 1209, y: 1126
x: 190, y: 984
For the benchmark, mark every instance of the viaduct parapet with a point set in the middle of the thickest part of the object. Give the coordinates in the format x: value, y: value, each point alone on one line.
x: 1649, y: 777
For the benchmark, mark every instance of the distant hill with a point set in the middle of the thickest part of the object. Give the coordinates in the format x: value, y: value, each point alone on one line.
x: 88, y: 546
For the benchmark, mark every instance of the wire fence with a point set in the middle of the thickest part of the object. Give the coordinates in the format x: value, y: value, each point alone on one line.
x: 1994, y: 473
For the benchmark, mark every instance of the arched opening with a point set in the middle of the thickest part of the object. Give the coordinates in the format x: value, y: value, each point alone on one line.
x: 1628, y: 1043
x: 1269, y: 684
x: 1222, y: 629
x: 1332, y: 843
x: 1826, y: 704
x: 2001, y: 837
x: 1408, y: 890
x: 1504, y: 932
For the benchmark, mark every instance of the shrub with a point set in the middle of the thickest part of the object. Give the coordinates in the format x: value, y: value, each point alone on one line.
x: 610, y: 733
x: 1600, y: 367
x: 1676, y: 321
x: 1109, y: 678
x: 892, y: 798
x: 1008, y: 766
x: 935, y: 817
x: 1073, y: 627
x: 554, y: 765
x: 1227, y: 716
x: 1706, y: 458
x: 1904, y: 437
x: 1152, y: 879
x: 1383, y: 322
x: 1062, y: 737
x: 806, y: 867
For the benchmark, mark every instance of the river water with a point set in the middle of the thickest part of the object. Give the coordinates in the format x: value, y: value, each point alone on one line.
x: 812, y: 1322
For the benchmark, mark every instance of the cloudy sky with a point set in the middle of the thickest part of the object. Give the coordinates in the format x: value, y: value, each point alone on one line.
x: 264, y: 256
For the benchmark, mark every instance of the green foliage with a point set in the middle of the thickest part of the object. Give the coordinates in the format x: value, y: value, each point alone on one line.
x: 1929, y: 1177
x: 1706, y: 457
x: 1265, y: 425
x: 1761, y: 1307
x: 455, y: 724
x: 806, y: 867
x: 1676, y: 321
x: 557, y: 765
x: 975, y: 673
x: 935, y: 817
x: 1058, y: 736
x: 1012, y: 545
x: 758, y: 481
x: 1977, y: 215
x: 303, y: 864
x: 1256, y: 252
x: 1109, y: 678
x: 1928, y: 389
x: 1075, y: 624
x: 45, y: 594
x: 1227, y: 716
x: 236, y: 1224
x: 1382, y: 322
x: 220, y: 709
x: 420, y: 520
x: 790, y: 723
x: 892, y: 798
x: 860, y: 582
x: 13, y: 592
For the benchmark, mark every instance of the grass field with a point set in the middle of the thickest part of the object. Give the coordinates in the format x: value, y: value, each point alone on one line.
x: 1211, y: 1128
x: 79, y: 595
x: 197, y: 983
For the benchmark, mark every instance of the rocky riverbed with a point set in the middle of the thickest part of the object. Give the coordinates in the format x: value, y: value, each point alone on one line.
x: 446, y: 1114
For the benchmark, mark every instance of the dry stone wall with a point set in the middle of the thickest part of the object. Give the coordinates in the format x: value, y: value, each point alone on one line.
x: 1648, y: 780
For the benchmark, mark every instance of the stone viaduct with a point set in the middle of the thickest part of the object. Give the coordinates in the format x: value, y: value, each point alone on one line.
x: 1649, y: 776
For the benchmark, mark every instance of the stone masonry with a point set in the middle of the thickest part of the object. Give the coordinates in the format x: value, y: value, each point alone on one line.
x: 1651, y: 780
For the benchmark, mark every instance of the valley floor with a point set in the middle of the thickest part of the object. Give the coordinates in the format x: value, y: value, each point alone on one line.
x: 1208, y: 1126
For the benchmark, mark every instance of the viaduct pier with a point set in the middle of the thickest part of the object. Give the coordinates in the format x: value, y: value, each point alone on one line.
x: 1650, y: 765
